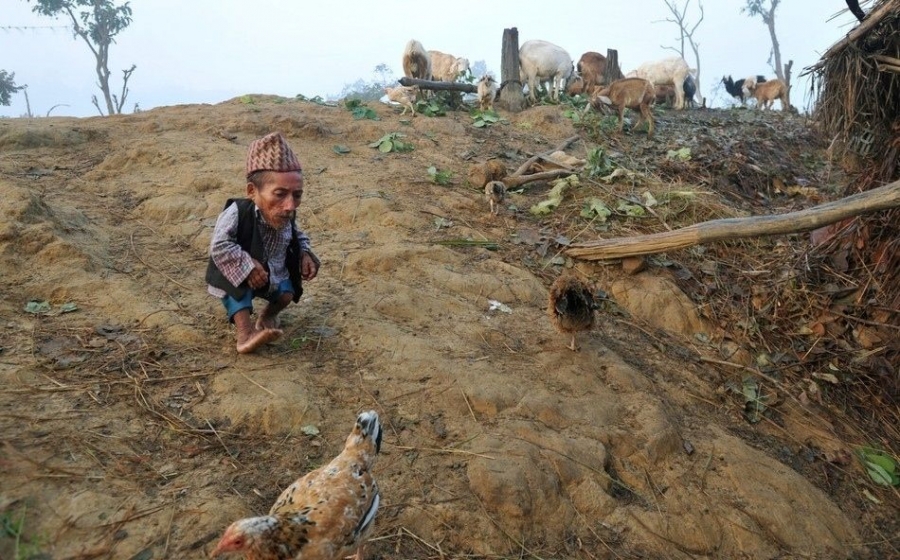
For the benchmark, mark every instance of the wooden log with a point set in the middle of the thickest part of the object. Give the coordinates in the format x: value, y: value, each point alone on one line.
x: 442, y: 86
x: 882, y: 198
x: 511, y: 97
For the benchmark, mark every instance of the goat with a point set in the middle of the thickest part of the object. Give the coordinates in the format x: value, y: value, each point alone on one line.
x: 416, y: 62
x: 540, y: 61
x: 591, y: 67
x: 750, y: 83
x: 403, y: 95
x: 446, y: 67
x: 690, y: 90
x: 736, y: 87
x: 669, y: 71
x: 632, y: 93
x: 487, y: 90
x: 767, y: 92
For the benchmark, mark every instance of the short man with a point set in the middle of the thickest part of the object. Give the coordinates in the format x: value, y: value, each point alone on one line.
x: 257, y: 249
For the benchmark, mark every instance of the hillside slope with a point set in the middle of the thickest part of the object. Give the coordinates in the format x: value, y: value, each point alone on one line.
x: 131, y: 429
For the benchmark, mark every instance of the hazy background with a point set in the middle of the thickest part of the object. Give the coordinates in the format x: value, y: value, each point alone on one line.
x: 207, y: 51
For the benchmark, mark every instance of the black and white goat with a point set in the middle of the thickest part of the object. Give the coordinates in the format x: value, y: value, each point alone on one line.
x: 741, y: 89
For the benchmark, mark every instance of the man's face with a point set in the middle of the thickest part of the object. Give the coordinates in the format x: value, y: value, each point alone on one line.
x: 278, y: 197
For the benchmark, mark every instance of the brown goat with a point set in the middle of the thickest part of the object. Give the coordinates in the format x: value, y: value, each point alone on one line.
x: 591, y: 67
x: 633, y: 93
x: 767, y: 92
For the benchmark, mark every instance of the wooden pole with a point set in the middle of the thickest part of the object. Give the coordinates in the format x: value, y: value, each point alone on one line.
x: 435, y: 85
x: 882, y: 198
x: 613, y: 72
x: 511, y: 97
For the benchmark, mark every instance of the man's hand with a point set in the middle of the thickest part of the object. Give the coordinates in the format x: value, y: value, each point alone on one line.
x: 258, y: 277
x: 308, y: 267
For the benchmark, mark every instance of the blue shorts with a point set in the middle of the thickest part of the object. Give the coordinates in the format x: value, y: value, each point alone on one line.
x: 232, y: 305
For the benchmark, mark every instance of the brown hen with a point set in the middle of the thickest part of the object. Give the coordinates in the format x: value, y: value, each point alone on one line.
x: 571, y: 306
x: 323, y: 515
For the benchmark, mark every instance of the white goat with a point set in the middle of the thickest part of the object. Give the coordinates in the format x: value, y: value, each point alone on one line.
x: 543, y: 61
x: 416, y: 62
x: 446, y: 67
x: 487, y: 90
x: 666, y: 72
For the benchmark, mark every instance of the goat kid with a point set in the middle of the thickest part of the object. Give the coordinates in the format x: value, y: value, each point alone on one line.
x: 487, y: 91
x: 636, y: 94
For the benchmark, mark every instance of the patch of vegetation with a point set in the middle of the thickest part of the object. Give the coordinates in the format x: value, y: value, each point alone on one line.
x: 318, y: 100
x: 360, y: 110
x: 12, y: 527
x: 484, y: 119
x: 433, y: 107
x: 439, y: 176
x: 598, y: 164
x: 881, y: 467
x: 391, y: 142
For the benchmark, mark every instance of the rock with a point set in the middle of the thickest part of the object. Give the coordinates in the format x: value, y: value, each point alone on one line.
x: 633, y: 265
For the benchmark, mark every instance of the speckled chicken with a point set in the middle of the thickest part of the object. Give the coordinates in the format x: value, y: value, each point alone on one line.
x: 325, y: 514
x: 495, y: 192
x: 571, y: 306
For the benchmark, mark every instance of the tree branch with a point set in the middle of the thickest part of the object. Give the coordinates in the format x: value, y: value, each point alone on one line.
x: 882, y: 198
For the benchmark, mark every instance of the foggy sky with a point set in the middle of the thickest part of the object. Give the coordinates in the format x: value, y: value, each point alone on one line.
x: 207, y: 51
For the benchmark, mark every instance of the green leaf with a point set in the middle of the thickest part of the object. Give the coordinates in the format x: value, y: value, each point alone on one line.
x: 479, y: 124
x: 386, y: 146
x: 341, y: 149
x: 68, y: 307
x: 879, y: 475
x: 684, y: 154
x: 882, y: 461
x: 310, y: 430
x: 631, y: 210
x: 595, y: 207
x: 37, y: 307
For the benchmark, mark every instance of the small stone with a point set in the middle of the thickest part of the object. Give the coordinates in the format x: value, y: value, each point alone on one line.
x: 633, y: 265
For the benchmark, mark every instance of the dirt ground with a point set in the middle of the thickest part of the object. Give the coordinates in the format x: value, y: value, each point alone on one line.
x: 130, y: 428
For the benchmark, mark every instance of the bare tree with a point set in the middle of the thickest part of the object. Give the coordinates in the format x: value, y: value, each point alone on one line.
x: 766, y: 10
x: 97, y: 22
x: 687, y: 34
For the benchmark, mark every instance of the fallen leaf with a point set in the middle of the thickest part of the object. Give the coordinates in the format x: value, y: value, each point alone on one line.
x: 37, y: 307
x: 310, y: 430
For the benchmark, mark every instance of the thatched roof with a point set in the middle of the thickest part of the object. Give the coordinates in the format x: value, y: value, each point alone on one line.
x: 858, y: 85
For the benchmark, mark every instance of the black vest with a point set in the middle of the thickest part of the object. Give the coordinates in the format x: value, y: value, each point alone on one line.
x: 250, y: 240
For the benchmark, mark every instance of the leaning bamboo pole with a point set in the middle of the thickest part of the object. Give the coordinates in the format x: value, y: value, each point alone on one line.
x: 882, y: 198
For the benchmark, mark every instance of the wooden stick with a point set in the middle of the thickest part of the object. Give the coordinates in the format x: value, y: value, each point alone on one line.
x: 513, y: 181
x: 882, y: 198
x: 528, y: 163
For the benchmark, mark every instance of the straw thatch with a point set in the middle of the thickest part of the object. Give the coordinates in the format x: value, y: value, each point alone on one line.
x: 857, y: 82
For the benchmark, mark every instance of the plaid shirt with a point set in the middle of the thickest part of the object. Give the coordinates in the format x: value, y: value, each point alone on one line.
x: 235, y: 263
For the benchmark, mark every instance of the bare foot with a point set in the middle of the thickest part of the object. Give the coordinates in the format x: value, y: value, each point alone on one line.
x: 257, y: 338
x: 266, y: 322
